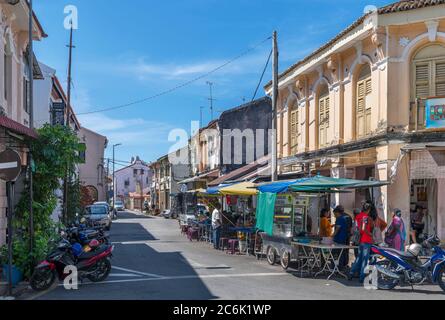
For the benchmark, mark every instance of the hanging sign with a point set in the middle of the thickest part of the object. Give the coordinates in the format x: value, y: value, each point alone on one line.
x: 10, y: 165
x: 435, y: 113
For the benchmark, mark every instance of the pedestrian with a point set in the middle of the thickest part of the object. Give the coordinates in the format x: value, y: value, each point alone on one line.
x: 379, y: 226
x: 366, y: 225
x: 341, y: 234
x: 395, y: 236
x: 216, y: 225
x: 325, y: 224
x: 417, y: 224
x: 355, y: 231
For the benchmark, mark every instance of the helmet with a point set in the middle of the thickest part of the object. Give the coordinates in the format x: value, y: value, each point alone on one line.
x: 414, y: 249
x: 83, y: 220
x: 94, y: 243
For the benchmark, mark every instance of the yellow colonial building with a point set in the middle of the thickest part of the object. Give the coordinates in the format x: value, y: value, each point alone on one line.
x: 369, y: 104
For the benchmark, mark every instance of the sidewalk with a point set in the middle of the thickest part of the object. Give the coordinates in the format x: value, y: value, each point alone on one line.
x: 21, y: 289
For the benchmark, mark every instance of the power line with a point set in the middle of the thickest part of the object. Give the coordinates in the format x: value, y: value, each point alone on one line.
x: 262, y: 75
x: 162, y: 93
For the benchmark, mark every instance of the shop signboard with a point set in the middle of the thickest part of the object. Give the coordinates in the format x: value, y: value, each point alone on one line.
x: 435, y: 113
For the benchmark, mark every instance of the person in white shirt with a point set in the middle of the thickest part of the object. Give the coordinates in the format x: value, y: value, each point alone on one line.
x: 216, y: 225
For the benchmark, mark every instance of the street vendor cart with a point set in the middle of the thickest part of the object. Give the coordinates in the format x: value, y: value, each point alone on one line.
x: 285, y: 212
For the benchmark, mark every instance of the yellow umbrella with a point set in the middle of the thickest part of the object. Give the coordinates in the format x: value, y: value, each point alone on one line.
x: 240, y: 189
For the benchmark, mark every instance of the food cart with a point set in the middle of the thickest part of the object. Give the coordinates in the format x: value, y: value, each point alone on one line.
x: 293, y: 217
x: 285, y: 220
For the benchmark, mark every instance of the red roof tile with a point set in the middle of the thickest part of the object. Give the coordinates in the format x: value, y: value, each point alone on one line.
x: 404, y: 5
x: 17, y: 127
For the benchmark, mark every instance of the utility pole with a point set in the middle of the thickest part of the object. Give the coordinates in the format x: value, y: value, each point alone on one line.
x: 31, y: 125
x: 211, y: 99
x: 108, y: 175
x: 68, y: 108
x: 274, y: 176
x: 70, y: 60
x: 200, y: 117
x: 114, y: 183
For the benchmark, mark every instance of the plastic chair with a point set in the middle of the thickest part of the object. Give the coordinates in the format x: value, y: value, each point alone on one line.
x: 233, y: 246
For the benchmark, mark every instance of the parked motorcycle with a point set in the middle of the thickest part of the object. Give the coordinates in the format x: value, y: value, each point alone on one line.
x: 94, y: 265
x: 405, y: 268
x: 84, y: 235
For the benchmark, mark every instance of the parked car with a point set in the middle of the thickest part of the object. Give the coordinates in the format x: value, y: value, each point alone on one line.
x: 119, y: 205
x: 98, y: 215
x: 112, y: 211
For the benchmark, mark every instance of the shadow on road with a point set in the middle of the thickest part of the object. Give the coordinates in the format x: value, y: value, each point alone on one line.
x: 122, y: 215
x: 140, y: 272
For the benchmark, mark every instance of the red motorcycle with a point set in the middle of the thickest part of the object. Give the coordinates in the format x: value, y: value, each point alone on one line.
x: 94, y: 265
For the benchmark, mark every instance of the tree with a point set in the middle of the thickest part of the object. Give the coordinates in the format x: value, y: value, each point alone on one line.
x: 55, y: 152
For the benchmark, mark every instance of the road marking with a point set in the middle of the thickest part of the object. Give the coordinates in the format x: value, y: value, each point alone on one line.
x: 124, y: 275
x: 137, y: 272
x: 216, y: 276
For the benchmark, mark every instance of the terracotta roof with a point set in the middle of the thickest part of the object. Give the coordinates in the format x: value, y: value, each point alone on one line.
x: 236, y: 174
x: 39, y: 25
x: 17, y: 127
x: 404, y: 5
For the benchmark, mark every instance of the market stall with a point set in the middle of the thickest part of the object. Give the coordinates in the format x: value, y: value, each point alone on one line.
x: 240, y: 199
x: 286, y: 212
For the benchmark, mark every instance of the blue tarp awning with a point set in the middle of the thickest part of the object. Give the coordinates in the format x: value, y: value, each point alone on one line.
x: 280, y: 186
x: 215, y: 190
x: 319, y: 184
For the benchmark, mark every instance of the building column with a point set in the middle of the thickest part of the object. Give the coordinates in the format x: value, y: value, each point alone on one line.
x: 345, y: 199
x: 397, y: 194
x: 440, y: 208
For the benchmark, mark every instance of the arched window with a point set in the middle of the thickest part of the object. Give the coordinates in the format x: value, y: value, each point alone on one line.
x: 294, y: 124
x: 363, y: 104
x: 323, y: 112
x: 429, y: 72
x: 428, y: 80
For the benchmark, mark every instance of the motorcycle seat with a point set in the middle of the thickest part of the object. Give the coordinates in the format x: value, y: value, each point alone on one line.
x: 403, y: 254
x: 93, y: 253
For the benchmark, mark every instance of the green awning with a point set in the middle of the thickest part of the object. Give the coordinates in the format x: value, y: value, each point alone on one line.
x: 328, y: 184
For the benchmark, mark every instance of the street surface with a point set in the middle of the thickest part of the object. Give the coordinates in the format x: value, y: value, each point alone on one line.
x: 152, y: 260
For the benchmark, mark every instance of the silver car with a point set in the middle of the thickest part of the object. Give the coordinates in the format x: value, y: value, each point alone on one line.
x: 98, y: 215
x: 119, y: 205
x: 112, y: 211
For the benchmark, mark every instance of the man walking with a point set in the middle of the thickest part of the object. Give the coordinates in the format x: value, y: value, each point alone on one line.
x: 366, y: 225
x: 216, y: 225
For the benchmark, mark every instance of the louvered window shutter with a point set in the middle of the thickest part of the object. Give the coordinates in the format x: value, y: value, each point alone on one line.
x: 440, y: 78
x: 326, y: 112
x: 423, y: 76
x: 361, y: 96
x: 294, y: 131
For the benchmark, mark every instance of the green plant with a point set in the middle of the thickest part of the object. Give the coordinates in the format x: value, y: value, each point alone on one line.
x: 55, y: 153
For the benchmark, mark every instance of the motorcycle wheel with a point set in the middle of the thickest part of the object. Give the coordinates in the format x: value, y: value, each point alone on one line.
x: 383, y: 281
x: 42, y: 279
x: 441, y: 278
x: 101, y: 272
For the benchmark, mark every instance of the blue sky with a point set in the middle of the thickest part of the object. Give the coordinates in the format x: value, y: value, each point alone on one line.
x: 130, y: 50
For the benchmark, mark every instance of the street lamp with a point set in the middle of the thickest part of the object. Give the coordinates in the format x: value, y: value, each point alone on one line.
x: 114, y: 183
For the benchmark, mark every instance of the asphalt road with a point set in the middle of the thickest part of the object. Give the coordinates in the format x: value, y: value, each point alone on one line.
x: 152, y: 260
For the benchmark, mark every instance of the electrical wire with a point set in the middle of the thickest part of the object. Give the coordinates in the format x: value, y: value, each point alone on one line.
x: 165, y: 92
x: 262, y: 75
